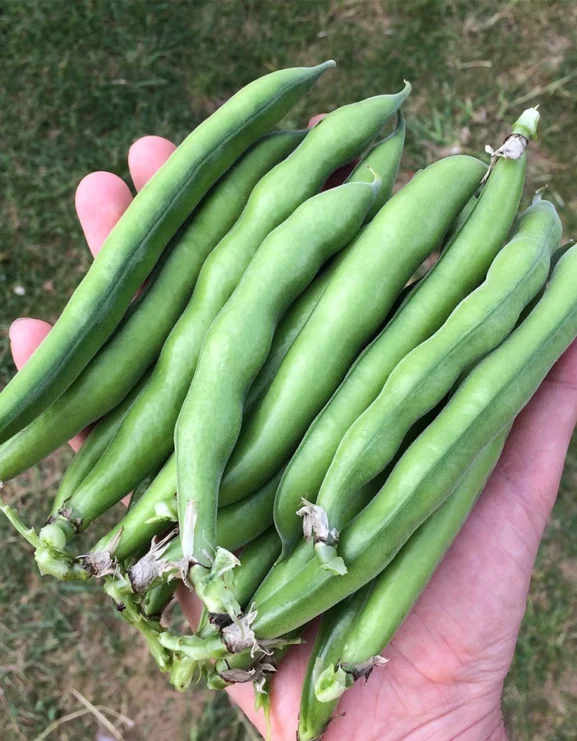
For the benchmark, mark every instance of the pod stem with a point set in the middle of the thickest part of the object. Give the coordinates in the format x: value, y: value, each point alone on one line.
x: 53, y: 557
x: 515, y: 145
x: 329, y: 558
x: 526, y: 124
x: 214, y: 586
x: 28, y: 533
x: 60, y: 564
x: 183, y: 672
x: 316, y: 527
x: 152, y: 568
x: 127, y: 605
x: 331, y: 683
x: 194, y: 648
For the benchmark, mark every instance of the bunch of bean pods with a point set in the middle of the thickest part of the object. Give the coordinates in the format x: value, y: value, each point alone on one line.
x: 304, y: 426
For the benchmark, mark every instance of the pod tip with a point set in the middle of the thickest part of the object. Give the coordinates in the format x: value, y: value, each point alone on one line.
x: 539, y: 194
x: 527, y: 123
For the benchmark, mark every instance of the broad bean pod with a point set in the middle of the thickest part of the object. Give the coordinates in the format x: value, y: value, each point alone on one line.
x: 93, y: 448
x: 460, y: 221
x: 461, y: 268
x: 257, y: 557
x: 285, y: 569
x: 147, y: 434
x: 118, y: 366
x: 384, y: 160
x: 236, y: 347
x: 256, y: 560
x: 404, y: 232
x: 352, y: 638
x: 423, y: 377
x: 314, y: 715
x: 485, y: 403
x: 232, y: 533
x: 237, y: 524
x: 138, y: 239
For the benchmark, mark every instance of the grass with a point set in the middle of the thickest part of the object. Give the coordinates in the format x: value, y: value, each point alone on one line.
x: 82, y: 81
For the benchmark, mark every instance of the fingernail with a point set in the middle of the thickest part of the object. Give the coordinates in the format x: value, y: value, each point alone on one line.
x: 13, y: 325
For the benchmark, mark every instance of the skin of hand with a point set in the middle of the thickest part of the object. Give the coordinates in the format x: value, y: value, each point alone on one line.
x: 448, y: 661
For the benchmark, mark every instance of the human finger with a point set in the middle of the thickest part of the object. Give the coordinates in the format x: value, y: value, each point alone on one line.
x: 146, y: 156
x: 101, y: 199
x: 25, y: 335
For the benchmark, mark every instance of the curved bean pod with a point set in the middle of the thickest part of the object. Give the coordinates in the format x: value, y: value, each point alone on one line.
x: 256, y: 560
x: 460, y: 220
x: 462, y: 267
x: 351, y: 648
x: 237, y: 524
x: 122, y: 361
x: 477, y: 325
x: 355, y: 303
x: 138, y: 239
x: 257, y: 557
x: 384, y: 160
x: 233, y: 352
x: 288, y: 330
x: 486, y: 403
x: 93, y: 448
x: 147, y: 434
x: 284, y: 570
x: 314, y: 715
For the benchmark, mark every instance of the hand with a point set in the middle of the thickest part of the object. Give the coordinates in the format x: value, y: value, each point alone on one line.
x: 101, y: 199
x: 448, y: 661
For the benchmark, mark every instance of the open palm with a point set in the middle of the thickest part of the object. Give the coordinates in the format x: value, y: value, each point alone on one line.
x: 448, y: 661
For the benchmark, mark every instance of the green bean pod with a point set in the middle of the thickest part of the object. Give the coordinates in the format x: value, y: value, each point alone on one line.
x: 237, y: 524
x: 256, y: 560
x: 235, y: 349
x: 93, y: 448
x: 384, y: 159
x: 244, y: 521
x: 460, y: 220
x: 461, y: 268
x: 138, y: 239
x: 147, y: 434
x: 138, y: 340
x: 355, y: 303
x: 486, y: 403
x: 423, y: 377
x: 288, y: 330
x: 284, y: 570
x: 290, y: 326
x: 335, y: 626
x: 257, y: 557
x: 351, y: 639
